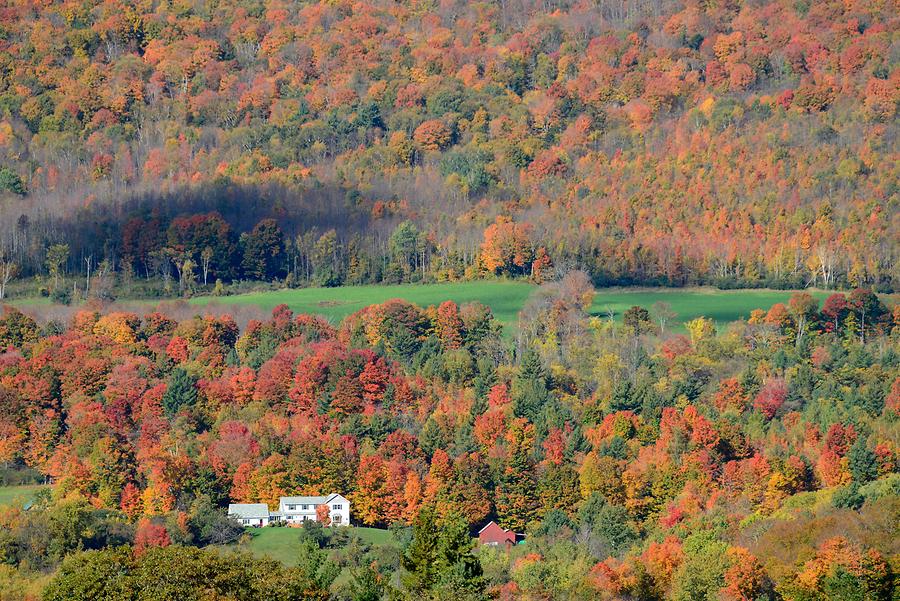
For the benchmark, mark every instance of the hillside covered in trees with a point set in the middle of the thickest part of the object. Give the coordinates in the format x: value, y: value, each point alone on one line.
x: 759, y: 461
x: 653, y: 141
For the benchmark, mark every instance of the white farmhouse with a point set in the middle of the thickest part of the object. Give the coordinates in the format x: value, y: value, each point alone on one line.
x: 252, y: 514
x: 295, y: 510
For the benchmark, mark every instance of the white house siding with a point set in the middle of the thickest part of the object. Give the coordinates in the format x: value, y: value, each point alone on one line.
x: 296, y: 510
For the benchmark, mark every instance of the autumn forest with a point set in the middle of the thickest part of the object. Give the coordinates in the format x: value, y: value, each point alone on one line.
x: 651, y: 142
x: 160, y: 158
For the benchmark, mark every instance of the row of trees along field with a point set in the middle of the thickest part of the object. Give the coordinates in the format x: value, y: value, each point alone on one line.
x: 202, y: 253
x: 640, y: 463
x: 656, y: 142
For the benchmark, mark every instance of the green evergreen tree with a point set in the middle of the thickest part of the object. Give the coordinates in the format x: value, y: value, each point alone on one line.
x: 459, y: 570
x: 11, y: 182
x: 482, y: 384
x: 440, y: 559
x: 622, y: 397
x: 862, y: 462
x: 517, y: 493
x: 590, y: 509
x: 181, y: 391
x: 577, y: 442
x: 848, y: 497
x: 465, y: 440
x: 529, y: 391
x: 611, y: 524
x: 404, y: 342
x: 419, y: 560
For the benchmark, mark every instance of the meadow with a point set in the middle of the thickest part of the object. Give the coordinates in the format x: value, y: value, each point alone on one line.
x: 506, y: 299
x: 283, y: 544
x: 18, y: 494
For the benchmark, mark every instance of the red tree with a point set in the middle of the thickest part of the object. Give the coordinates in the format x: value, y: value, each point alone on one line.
x: 150, y: 534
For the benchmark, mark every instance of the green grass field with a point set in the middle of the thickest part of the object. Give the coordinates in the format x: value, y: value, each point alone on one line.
x: 722, y: 306
x: 282, y: 543
x: 18, y: 494
x: 506, y: 299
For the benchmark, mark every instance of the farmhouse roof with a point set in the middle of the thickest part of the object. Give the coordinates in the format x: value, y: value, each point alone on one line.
x: 308, y: 500
x: 249, y: 510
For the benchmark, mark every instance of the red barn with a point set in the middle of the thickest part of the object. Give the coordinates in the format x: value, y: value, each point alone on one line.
x: 492, y: 534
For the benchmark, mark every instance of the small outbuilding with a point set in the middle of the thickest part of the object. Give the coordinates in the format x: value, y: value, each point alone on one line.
x: 492, y: 534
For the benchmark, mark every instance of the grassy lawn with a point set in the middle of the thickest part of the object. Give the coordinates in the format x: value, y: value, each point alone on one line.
x: 374, y: 536
x: 282, y: 543
x: 722, y: 306
x: 504, y: 298
x: 18, y: 494
x: 28, y: 301
x: 507, y: 298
